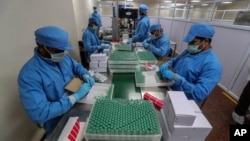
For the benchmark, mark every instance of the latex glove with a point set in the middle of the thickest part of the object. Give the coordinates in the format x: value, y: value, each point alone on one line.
x: 167, y: 74
x: 145, y: 44
x: 129, y: 41
x: 82, y: 91
x: 164, y: 67
x: 88, y: 80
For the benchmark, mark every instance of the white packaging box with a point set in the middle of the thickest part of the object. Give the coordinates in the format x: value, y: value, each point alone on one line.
x: 103, y: 63
x: 195, y: 106
x: 197, y: 132
x: 164, y: 126
x: 178, y: 110
x: 93, y: 64
x: 97, y: 57
x: 100, y: 69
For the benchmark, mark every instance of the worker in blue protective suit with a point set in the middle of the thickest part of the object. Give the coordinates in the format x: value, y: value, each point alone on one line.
x: 142, y: 30
x: 158, y: 43
x: 197, y: 70
x: 90, y: 41
x: 43, y: 78
x: 99, y: 21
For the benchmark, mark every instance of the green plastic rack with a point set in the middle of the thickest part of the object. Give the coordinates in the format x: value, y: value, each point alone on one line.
x: 120, y: 120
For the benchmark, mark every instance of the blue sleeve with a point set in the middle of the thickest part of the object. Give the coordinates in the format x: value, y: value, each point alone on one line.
x: 140, y: 32
x: 162, y: 49
x: 34, y: 99
x: 87, y: 38
x: 203, y: 87
x: 78, y: 69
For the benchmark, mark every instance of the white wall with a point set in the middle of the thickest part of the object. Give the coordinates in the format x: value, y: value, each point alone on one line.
x: 19, y: 20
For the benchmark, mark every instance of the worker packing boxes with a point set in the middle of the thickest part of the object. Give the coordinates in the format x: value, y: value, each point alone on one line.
x: 182, y: 119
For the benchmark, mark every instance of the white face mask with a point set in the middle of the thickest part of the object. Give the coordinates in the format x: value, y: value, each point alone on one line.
x: 95, y: 27
x: 56, y: 57
x: 194, y: 48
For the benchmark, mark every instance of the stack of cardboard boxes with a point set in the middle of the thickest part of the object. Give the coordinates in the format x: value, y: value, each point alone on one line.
x: 98, y: 62
x: 182, y: 119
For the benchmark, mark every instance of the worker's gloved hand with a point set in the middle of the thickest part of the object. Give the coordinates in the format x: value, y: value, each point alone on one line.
x: 145, y: 44
x: 168, y: 74
x: 88, y: 79
x: 102, y: 47
x: 82, y: 91
x: 129, y: 41
x: 105, y: 42
x: 164, y: 67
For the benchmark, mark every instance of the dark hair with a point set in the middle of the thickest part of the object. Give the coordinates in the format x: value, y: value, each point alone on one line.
x: 202, y: 38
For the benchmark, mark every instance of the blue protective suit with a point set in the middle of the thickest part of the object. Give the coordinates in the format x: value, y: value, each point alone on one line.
x: 160, y: 46
x: 199, y: 73
x: 142, y: 31
x: 90, y: 41
x: 41, y: 87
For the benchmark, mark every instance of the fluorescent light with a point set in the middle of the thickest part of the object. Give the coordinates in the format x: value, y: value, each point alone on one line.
x: 130, y: 0
x: 204, y: 4
x: 195, y: 1
x: 226, y: 2
x: 167, y: 1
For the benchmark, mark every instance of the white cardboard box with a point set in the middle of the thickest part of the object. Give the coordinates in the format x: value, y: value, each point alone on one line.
x: 97, y: 57
x: 178, y: 109
x: 103, y: 63
x: 197, y: 132
x: 93, y: 64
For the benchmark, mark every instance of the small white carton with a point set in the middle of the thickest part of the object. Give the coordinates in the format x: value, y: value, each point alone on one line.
x: 97, y: 57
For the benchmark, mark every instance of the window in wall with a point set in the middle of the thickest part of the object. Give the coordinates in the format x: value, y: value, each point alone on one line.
x: 227, y: 12
x: 200, y: 11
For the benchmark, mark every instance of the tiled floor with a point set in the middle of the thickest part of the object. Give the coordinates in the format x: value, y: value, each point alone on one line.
x: 218, y: 110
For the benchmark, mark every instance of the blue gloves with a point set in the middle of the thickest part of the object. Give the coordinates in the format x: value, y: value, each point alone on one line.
x: 168, y: 74
x: 105, y: 42
x: 101, y: 48
x: 145, y: 44
x: 129, y: 41
x: 164, y: 67
x: 82, y: 91
x: 88, y: 80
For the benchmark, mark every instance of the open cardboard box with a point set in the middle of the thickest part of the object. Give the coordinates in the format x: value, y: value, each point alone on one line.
x: 74, y: 84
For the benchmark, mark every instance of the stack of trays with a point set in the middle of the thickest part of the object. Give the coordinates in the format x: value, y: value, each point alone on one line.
x: 130, y: 120
x: 146, y: 57
x: 123, y: 47
x: 123, y: 62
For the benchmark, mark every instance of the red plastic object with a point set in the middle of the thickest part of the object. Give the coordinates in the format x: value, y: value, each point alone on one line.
x: 157, y: 103
x: 74, y: 131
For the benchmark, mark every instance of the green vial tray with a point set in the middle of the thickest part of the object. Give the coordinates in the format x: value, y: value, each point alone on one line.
x: 123, y: 57
x: 123, y: 47
x: 120, y: 120
x: 146, y: 57
x: 127, y: 66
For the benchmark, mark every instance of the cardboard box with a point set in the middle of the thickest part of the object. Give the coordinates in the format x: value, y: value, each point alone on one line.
x: 198, y: 131
x: 103, y: 63
x: 178, y: 109
x: 74, y: 84
x: 97, y: 57
x: 93, y: 64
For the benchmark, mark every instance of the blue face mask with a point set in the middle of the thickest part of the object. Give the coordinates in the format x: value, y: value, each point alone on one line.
x: 194, y: 49
x: 56, y: 57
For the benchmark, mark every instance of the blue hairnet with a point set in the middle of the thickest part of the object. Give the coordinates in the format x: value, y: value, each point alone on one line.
x: 52, y: 36
x: 199, y: 30
x: 155, y: 27
x: 93, y: 20
x: 143, y: 8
